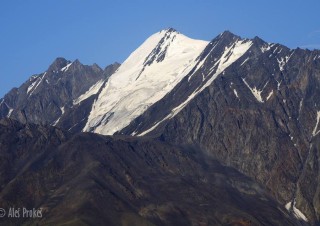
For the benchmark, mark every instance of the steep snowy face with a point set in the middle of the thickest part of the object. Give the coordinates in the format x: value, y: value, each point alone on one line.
x: 149, y: 73
x: 230, y: 54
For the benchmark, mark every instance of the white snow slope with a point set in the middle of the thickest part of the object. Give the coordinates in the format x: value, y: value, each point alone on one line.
x: 230, y: 55
x: 148, y: 74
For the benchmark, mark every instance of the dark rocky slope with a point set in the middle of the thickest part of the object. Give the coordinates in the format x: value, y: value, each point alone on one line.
x: 46, y: 98
x: 259, y: 116
x: 88, y: 179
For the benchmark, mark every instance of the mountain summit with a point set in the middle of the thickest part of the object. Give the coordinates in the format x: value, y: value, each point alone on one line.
x: 251, y: 105
x: 153, y: 71
x: 46, y: 97
x: 148, y: 74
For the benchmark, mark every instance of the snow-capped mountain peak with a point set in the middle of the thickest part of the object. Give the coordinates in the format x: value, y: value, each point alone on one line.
x: 148, y: 74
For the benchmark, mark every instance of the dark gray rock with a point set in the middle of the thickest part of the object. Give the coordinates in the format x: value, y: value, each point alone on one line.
x: 47, y: 97
x: 270, y: 140
x: 88, y: 179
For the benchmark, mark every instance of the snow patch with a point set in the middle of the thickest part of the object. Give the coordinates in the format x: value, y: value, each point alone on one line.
x: 10, y: 112
x: 244, y: 61
x: 35, y: 84
x: 270, y: 94
x: 297, y: 213
x: 315, y: 132
x: 256, y: 93
x: 92, y: 91
x: 232, y: 54
x: 300, y: 105
x: 200, y: 64
x: 265, y: 48
x: 236, y: 93
x: 33, y: 77
x: 272, y: 44
x: 62, y: 112
x: 156, y: 124
x: 289, y: 57
x: 30, y: 88
x: 278, y: 85
x: 281, y: 63
x: 64, y: 69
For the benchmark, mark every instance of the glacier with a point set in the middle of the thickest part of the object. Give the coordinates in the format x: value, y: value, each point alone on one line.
x: 147, y: 75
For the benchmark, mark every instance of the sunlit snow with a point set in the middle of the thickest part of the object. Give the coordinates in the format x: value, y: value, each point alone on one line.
x: 265, y: 48
x: 297, y: 213
x: 256, y: 93
x: 270, y: 94
x: 10, y: 112
x: 315, y: 132
x: 236, y: 93
x: 62, y: 112
x: 35, y: 84
x: 136, y: 85
x: 230, y: 55
x: 92, y: 91
x: 66, y: 67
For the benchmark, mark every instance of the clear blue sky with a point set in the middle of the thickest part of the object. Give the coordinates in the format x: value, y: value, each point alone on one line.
x: 34, y: 32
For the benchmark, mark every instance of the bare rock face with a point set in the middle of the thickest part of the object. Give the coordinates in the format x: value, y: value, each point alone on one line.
x: 89, y: 179
x: 260, y: 115
x: 46, y: 98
